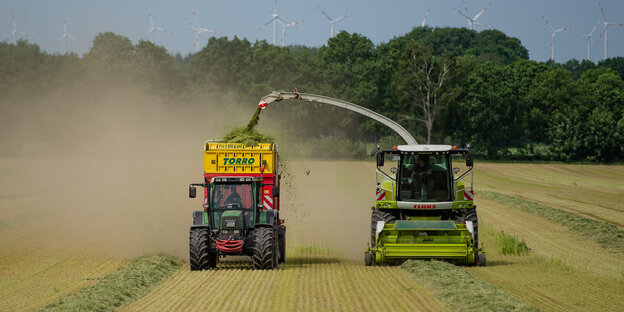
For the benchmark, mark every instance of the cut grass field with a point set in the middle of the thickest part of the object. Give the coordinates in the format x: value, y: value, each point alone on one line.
x: 595, y: 191
x: 124, y: 286
x: 327, y: 213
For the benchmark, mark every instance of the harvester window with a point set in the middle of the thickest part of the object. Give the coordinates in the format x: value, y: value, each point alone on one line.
x: 425, y: 177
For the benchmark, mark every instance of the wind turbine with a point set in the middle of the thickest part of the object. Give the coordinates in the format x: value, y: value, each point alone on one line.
x: 606, y: 24
x: 424, y: 22
x: 472, y: 20
x: 16, y: 32
x: 198, y: 30
x: 153, y: 27
x: 588, y: 36
x: 286, y: 26
x: 332, y: 22
x: 553, y: 32
x: 274, y: 19
x: 65, y: 36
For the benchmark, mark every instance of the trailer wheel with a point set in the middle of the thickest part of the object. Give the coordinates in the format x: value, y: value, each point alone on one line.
x: 379, y: 216
x: 481, y: 259
x: 369, y: 259
x: 281, y: 240
x: 201, y: 255
x: 264, y: 251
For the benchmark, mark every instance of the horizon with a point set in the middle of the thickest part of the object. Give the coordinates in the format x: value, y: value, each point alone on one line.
x: 43, y: 21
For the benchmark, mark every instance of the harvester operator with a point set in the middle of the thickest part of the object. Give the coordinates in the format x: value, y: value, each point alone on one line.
x: 421, y: 174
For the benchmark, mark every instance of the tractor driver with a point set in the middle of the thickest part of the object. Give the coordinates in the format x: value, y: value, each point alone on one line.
x: 421, y: 175
x: 234, y: 197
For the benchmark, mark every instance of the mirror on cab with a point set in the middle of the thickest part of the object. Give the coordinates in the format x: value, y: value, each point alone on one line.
x: 380, y: 159
x: 469, y: 160
x: 192, y: 192
x: 455, y: 170
x: 276, y: 191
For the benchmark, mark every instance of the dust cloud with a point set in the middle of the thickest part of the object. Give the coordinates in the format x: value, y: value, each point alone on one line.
x: 107, y: 168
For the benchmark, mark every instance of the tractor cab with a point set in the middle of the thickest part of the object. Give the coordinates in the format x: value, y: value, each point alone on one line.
x: 229, y: 197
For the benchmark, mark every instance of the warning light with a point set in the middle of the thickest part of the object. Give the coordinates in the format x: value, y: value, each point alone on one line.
x: 454, y: 146
x: 394, y: 147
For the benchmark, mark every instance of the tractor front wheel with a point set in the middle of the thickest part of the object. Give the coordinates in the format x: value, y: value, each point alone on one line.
x: 201, y: 253
x: 264, y: 251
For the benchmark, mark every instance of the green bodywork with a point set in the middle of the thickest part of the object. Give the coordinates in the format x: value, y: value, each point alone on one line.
x: 423, y: 236
x: 424, y: 239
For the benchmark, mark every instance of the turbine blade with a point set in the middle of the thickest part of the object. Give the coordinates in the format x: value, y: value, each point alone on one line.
x: 547, y: 23
x: 424, y: 22
x: 319, y: 8
x: 482, y: 11
x: 594, y: 29
x: 462, y: 13
x: 602, y: 11
x: 195, y: 16
x: 265, y: 24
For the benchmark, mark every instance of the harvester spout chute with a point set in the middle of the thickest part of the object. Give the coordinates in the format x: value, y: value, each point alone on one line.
x: 276, y: 96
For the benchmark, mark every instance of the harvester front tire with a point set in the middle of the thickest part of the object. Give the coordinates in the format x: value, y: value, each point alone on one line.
x: 281, y: 240
x: 201, y: 257
x: 379, y: 216
x: 481, y: 259
x: 469, y: 215
x: 264, y: 252
x: 369, y: 259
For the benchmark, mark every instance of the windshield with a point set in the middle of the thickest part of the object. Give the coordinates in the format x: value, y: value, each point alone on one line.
x: 232, y: 196
x: 425, y: 177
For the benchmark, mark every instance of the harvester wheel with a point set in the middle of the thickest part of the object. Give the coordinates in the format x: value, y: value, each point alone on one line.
x: 369, y: 259
x: 379, y: 216
x: 469, y: 215
x: 481, y: 259
x: 264, y: 257
x: 201, y: 257
x: 281, y: 240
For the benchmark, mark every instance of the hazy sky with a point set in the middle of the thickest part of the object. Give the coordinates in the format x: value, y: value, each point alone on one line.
x: 378, y: 20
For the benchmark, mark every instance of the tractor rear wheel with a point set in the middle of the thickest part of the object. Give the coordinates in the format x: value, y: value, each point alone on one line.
x: 201, y: 255
x: 281, y: 240
x: 376, y: 217
x: 264, y: 251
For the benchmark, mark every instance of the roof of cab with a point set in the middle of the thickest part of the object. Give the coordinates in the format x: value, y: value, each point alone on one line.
x: 425, y: 148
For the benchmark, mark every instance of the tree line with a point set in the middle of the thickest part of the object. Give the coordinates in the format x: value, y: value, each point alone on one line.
x: 445, y: 85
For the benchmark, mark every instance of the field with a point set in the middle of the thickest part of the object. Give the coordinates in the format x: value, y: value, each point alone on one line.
x: 56, y: 239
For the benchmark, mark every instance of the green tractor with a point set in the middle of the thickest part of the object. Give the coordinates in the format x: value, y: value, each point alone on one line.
x: 240, y: 215
x: 424, y: 206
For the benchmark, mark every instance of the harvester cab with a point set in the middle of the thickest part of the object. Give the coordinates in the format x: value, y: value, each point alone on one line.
x: 424, y: 206
x: 240, y: 213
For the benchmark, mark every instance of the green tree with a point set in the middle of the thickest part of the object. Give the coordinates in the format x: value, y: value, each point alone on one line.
x: 424, y: 85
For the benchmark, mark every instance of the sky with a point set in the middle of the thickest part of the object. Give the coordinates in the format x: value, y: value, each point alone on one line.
x: 378, y: 20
